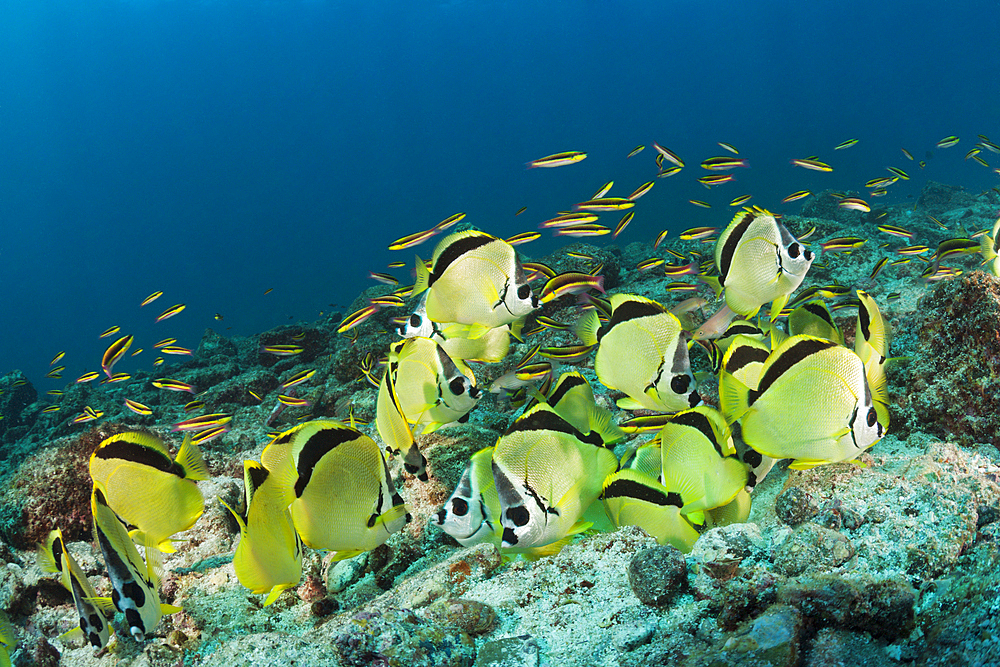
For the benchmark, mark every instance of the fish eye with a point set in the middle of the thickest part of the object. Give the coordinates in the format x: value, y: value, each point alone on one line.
x: 680, y: 383
x: 459, y: 507
x: 793, y: 250
x: 523, y: 292
x: 808, y: 255
x: 414, y: 320
x: 457, y: 386
x: 872, y: 417
x: 518, y: 515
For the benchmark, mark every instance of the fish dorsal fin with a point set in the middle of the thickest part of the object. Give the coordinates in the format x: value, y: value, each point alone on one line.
x: 423, y: 277
x: 588, y: 326
x: 190, y: 460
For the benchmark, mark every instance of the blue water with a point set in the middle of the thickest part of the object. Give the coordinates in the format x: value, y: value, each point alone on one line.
x: 214, y: 150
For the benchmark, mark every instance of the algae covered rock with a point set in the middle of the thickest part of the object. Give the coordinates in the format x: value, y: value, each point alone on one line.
x: 657, y: 574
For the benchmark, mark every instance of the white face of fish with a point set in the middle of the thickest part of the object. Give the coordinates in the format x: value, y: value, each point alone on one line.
x: 865, y: 427
x: 518, y: 298
x: 794, y: 258
x: 462, y: 515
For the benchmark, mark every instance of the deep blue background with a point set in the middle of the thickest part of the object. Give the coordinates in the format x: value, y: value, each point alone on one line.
x: 214, y: 150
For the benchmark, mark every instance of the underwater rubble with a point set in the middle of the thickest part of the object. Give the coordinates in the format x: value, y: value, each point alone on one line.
x: 889, y: 560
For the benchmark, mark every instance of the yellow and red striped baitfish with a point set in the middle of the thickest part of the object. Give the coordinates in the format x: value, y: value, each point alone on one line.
x: 157, y: 361
x: 298, y: 378
x: 854, y: 204
x: 383, y: 278
x: 209, y: 434
x: 699, y: 203
x: 906, y: 153
x: 539, y: 268
x: 879, y: 265
x: 893, y: 230
x: 550, y: 323
x: 110, y: 331
x: 533, y: 371
x: 651, y: 263
x: 567, y: 219
x: 728, y: 147
x: 521, y: 210
x: 583, y: 230
x: 202, y: 422
x: 136, y: 353
x: 947, y: 142
x: 165, y: 342
x: 603, y: 190
x: 88, y: 377
x: 412, y: 239
x: 795, y: 196
x: 557, y: 159
x: 604, y: 204
x: 356, y: 318
x: 570, y: 282
x: 742, y: 199
x: 293, y: 401
x: 390, y: 300
x: 715, y: 179
x: 396, y: 265
x: 660, y: 238
x: 170, y: 312
x: 723, y: 163
x: 173, y: 385
x: 56, y: 358
x: 668, y: 172
x: 175, y: 349
x: 51, y: 408
x: 117, y: 377
x: 641, y: 190
x: 697, y: 233
x: 680, y: 287
x: 668, y: 154
x: 809, y: 163
x: 627, y: 218
x: 523, y: 237
x: 115, y: 352
x: 845, y: 144
x: 151, y: 298
x: 450, y: 221
x: 567, y: 354
x: 137, y: 407
x: 911, y: 250
x: 635, y: 151
x: 674, y: 270
x: 899, y: 172
x: 843, y: 243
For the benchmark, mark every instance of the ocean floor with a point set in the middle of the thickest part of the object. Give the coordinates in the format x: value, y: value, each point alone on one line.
x: 890, y: 560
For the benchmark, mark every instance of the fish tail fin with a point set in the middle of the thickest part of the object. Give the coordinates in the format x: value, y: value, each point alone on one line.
x: 423, y: 277
x: 587, y: 327
x: 190, y: 460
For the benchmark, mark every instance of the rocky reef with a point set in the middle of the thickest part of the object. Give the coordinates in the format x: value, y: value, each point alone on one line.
x: 890, y: 560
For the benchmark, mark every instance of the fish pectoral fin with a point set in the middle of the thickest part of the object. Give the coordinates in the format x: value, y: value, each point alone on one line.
x: 105, y: 605
x: 345, y: 554
x: 629, y: 403
x: 72, y: 633
x: 806, y: 464
x: 167, y: 609
x: 276, y: 592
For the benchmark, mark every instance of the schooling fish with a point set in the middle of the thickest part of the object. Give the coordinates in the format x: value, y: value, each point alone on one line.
x: 759, y: 261
x: 395, y: 430
x: 475, y: 278
x: 95, y: 612
x: 547, y: 473
x: 268, y: 558
x: 433, y: 390
x: 871, y: 343
x: 812, y: 403
x: 642, y: 352
x: 344, y: 499
x: 148, y: 489
x: 135, y: 583
x: 472, y: 514
x: 632, y: 498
